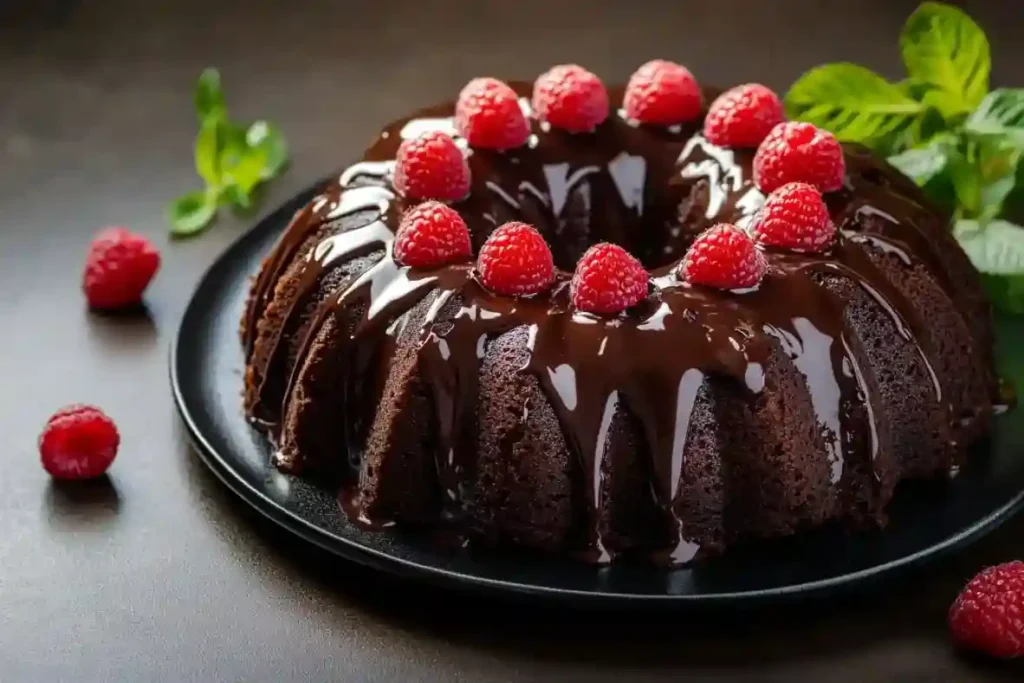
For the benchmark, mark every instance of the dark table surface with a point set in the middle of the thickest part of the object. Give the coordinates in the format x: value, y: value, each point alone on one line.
x: 160, y: 574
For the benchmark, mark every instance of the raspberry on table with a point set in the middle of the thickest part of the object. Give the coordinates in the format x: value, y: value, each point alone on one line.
x: 608, y: 279
x: 988, y: 616
x: 78, y: 442
x: 724, y: 257
x: 516, y: 261
x: 662, y: 93
x: 571, y: 98
x: 799, y: 152
x: 743, y: 116
x: 488, y: 115
x: 795, y: 217
x: 432, y: 235
x: 431, y: 166
x: 119, y: 265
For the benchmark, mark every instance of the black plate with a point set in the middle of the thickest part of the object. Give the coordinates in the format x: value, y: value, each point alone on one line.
x: 926, y: 518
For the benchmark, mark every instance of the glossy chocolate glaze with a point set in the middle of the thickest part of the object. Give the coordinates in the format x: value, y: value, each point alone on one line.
x: 651, y: 190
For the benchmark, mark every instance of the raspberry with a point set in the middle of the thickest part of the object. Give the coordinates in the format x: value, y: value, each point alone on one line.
x: 608, y: 279
x: 119, y: 265
x: 795, y: 217
x: 431, y: 166
x: 516, y: 261
x: 743, y: 116
x: 662, y: 93
x: 432, y: 235
x: 725, y: 257
x: 78, y: 442
x: 988, y: 616
x: 799, y: 152
x: 571, y: 98
x: 487, y: 114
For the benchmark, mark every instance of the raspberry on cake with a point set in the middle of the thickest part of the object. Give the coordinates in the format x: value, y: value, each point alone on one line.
x: 795, y: 217
x: 799, y: 152
x: 119, y: 266
x: 662, y: 93
x: 488, y: 115
x: 431, y: 166
x: 78, y: 442
x: 571, y: 98
x: 432, y: 235
x: 725, y: 257
x: 743, y: 116
x: 516, y: 261
x: 608, y: 279
x: 479, y: 398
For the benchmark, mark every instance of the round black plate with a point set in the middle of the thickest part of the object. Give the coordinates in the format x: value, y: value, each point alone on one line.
x: 926, y: 518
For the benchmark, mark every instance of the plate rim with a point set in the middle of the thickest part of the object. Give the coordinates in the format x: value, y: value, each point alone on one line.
x: 377, y: 559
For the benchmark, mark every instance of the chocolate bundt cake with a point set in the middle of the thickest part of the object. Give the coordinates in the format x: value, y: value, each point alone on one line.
x: 697, y: 415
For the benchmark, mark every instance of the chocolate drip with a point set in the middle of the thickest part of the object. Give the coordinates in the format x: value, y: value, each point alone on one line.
x: 629, y: 184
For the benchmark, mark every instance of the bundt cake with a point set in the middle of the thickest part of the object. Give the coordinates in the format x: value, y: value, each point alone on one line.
x: 540, y: 320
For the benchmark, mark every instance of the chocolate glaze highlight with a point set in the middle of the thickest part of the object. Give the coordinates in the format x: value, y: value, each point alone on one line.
x: 652, y: 191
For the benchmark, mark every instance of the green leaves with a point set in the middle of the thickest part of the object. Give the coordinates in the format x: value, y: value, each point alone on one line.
x: 190, y: 213
x: 232, y: 159
x: 854, y: 103
x: 941, y: 127
x: 996, y: 248
x: 944, y: 49
x: 209, y: 97
x: 1001, y: 113
x: 925, y: 164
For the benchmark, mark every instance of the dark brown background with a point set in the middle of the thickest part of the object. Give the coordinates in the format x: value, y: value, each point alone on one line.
x: 161, y: 575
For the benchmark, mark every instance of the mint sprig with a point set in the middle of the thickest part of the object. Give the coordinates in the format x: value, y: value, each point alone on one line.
x: 942, y: 127
x: 233, y: 160
x: 945, y: 50
x: 854, y: 103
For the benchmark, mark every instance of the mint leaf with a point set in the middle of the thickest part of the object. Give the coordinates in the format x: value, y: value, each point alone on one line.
x: 209, y: 97
x: 237, y: 197
x: 993, y: 196
x: 996, y: 248
x: 936, y: 166
x: 191, y: 213
x: 245, y: 169
x: 852, y: 102
x: 208, y: 152
x: 966, y: 184
x: 1001, y: 113
x: 1005, y: 292
x: 943, y: 47
x: 924, y: 164
x: 241, y: 163
x: 267, y: 137
x: 1012, y: 208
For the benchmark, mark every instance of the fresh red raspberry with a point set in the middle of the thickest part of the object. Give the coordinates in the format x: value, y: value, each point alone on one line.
x: 795, y: 217
x: 431, y: 166
x: 119, y: 265
x: 516, y: 261
x: 432, y: 235
x: 78, y: 442
x: 608, y: 279
x: 488, y: 115
x: 799, y: 152
x: 571, y: 98
x: 662, y: 93
x: 723, y: 256
x: 988, y: 616
x: 743, y: 116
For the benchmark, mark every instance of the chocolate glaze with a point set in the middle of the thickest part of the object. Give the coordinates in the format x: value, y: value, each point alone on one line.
x: 651, y: 190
